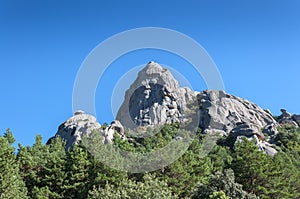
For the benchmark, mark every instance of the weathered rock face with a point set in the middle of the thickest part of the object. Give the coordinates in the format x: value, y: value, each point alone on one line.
x: 76, y: 127
x: 262, y: 145
x: 287, y: 118
x: 108, y: 132
x: 81, y: 124
x: 154, y: 98
x: 222, y: 111
x: 226, y: 113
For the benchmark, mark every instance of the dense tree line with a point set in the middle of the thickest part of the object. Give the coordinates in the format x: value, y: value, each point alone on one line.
x: 242, y: 171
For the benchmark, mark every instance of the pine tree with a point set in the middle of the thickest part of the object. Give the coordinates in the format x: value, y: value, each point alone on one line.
x: 53, y: 173
x: 32, y: 161
x: 250, y: 167
x: 41, y: 193
x: 220, y: 158
x: 9, y: 136
x: 264, y: 176
x: 184, y: 175
x: 127, y: 189
x: 218, y: 195
x: 284, y: 178
x: 43, y: 167
x: 78, y: 168
x: 11, y: 184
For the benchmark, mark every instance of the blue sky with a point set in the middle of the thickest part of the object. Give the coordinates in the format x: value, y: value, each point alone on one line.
x: 254, y: 43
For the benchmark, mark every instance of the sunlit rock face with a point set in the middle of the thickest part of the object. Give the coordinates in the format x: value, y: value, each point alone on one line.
x: 222, y: 111
x: 225, y: 113
x: 154, y: 98
x: 77, y: 126
x: 81, y: 124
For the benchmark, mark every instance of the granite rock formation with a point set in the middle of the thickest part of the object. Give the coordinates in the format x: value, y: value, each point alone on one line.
x: 222, y: 111
x: 287, y: 118
x: 108, y: 132
x: 81, y: 124
x: 227, y: 114
x: 154, y: 98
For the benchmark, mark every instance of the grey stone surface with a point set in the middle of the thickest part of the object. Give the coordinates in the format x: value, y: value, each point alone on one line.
x: 296, y: 117
x: 247, y: 130
x: 108, y: 132
x: 154, y: 98
x: 267, y: 148
x: 270, y: 129
x: 287, y: 118
x: 264, y: 146
x: 74, y: 128
x: 222, y: 111
x: 81, y: 124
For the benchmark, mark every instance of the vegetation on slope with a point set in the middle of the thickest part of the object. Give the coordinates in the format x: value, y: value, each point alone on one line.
x: 242, y: 171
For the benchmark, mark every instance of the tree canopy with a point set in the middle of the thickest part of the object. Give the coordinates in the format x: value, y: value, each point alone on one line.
x: 243, y: 171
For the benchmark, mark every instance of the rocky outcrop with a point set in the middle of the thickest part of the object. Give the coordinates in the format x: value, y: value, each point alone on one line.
x: 222, y: 111
x: 263, y: 146
x: 108, y: 132
x: 225, y: 113
x: 81, y: 124
x: 270, y: 129
x: 287, y: 118
x: 154, y: 98
x: 74, y: 128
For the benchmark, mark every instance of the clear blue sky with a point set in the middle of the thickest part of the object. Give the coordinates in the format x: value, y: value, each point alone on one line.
x: 254, y: 43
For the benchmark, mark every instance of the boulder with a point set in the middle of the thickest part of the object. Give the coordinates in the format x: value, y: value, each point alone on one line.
x: 248, y: 130
x: 296, y: 117
x: 270, y: 130
x: 109, y: 131
x: 287, y: 118
x: 267, y: 148
x: 264, y: 146
x: 285, y: 114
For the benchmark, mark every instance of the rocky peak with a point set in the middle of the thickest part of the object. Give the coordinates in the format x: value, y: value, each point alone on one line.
x: 153, y: 73
x: 154, y: 98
